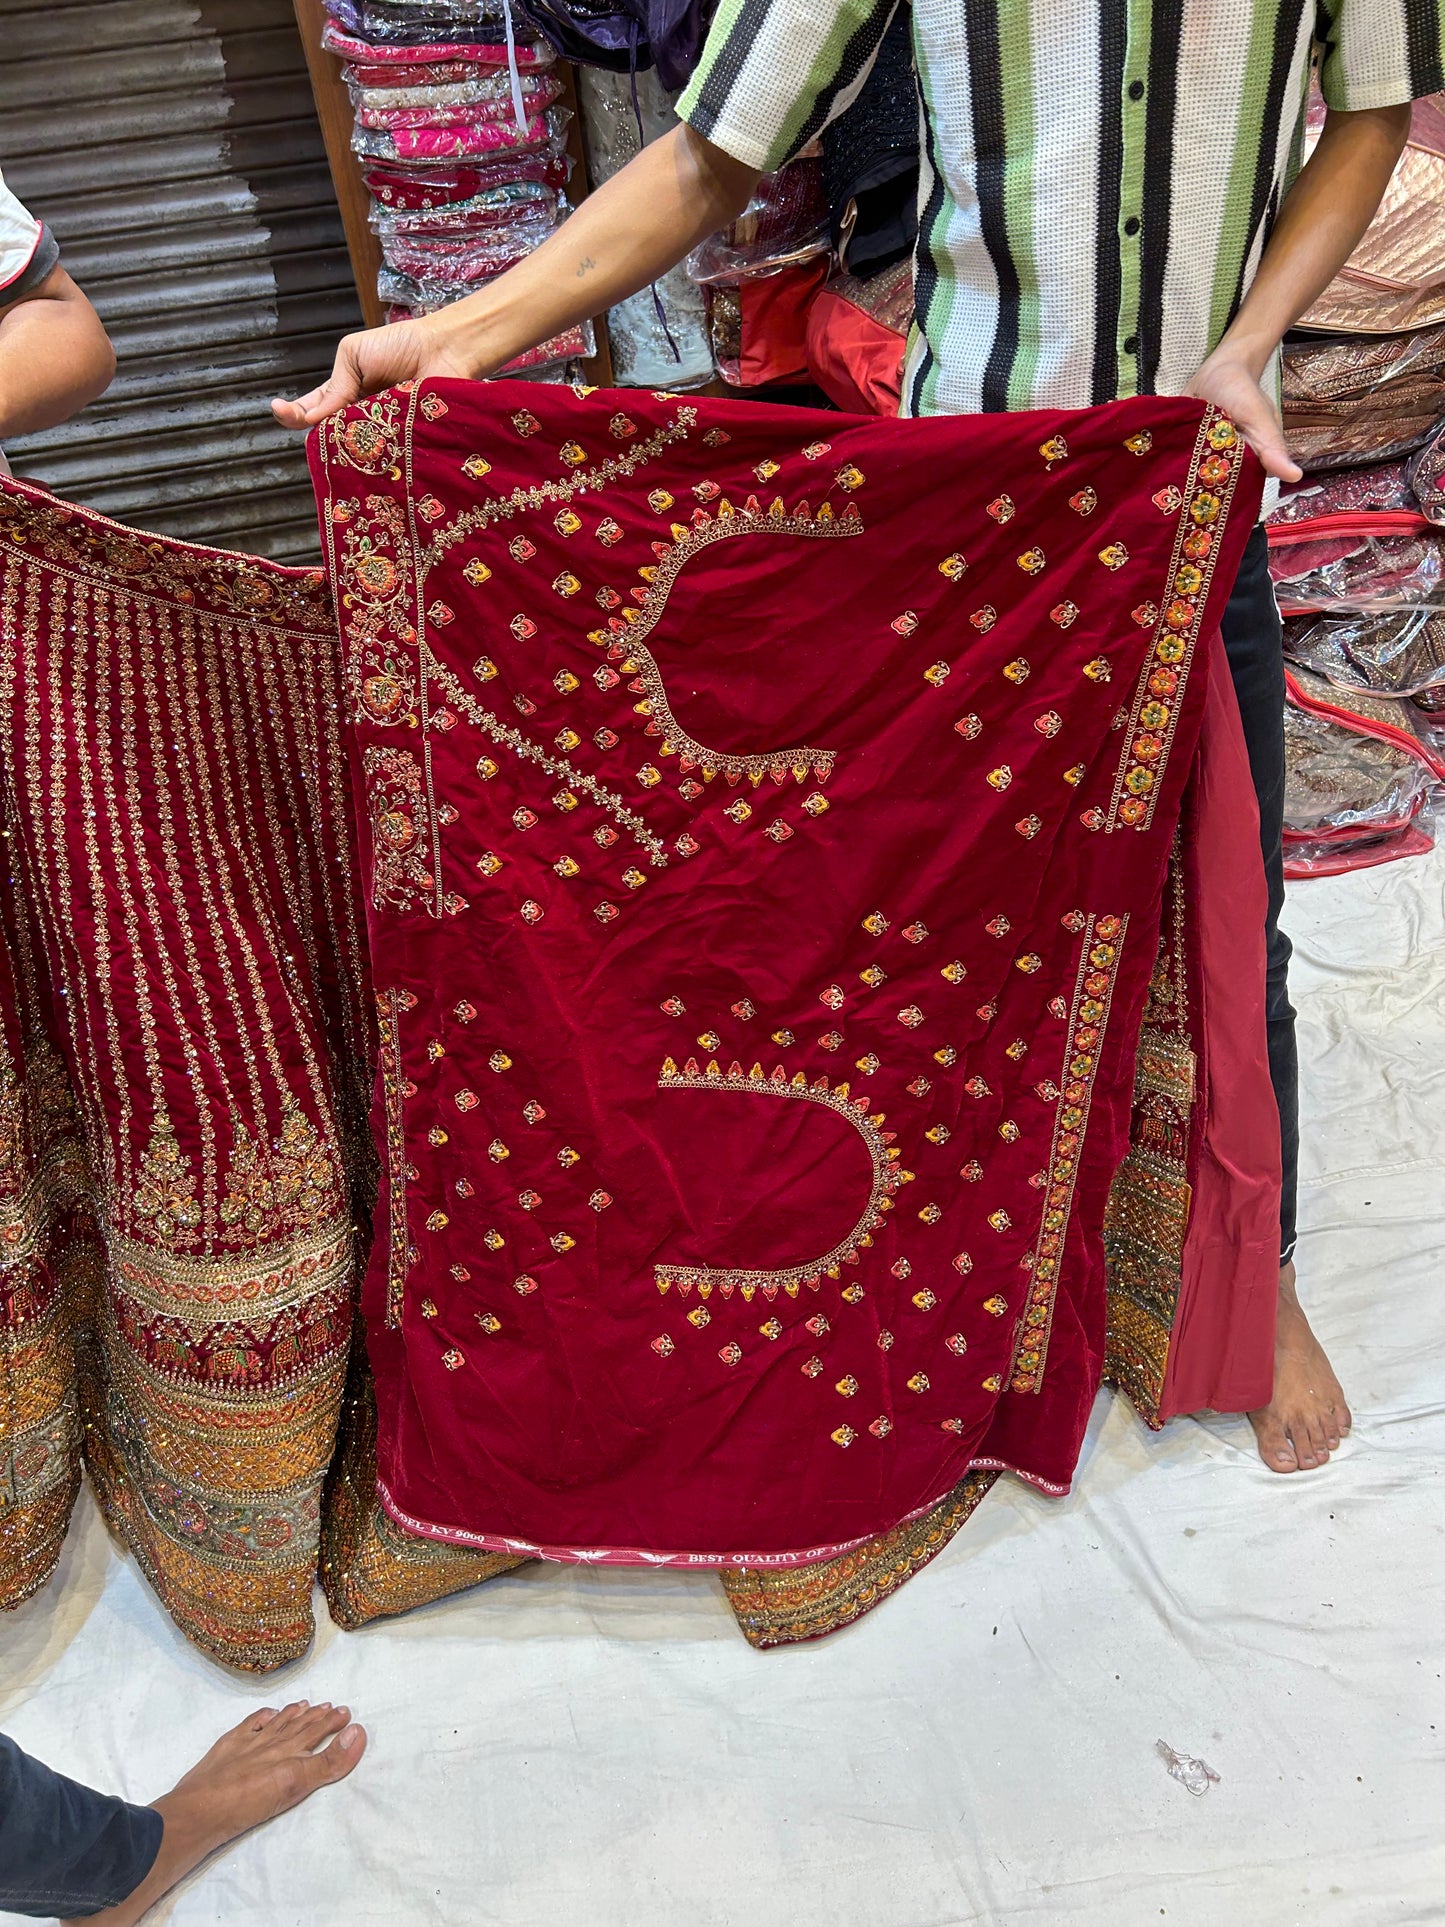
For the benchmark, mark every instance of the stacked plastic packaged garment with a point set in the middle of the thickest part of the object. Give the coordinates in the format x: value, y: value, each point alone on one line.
x: 659, y: 337
x: 463, y: 148
x: 1358, y: 775
x: 760, y: 276
x: 1357, y: 549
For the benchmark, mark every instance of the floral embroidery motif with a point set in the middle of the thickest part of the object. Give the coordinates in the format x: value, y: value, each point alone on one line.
x: 839, y: 1100
x: 402, y: 875
x: 1217, y: 459
x: 522, y: 745
x: 1102, y: 941
x: 165, y: 1191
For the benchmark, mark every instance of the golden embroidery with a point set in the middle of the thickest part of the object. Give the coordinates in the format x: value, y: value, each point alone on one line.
x: 778, y: 1607
x: 522, y: 746
x: 1147, y: 1218
x: 1102, y: 942
x: 402, y: 877
x: 390, y: 1004
x: 838, y: 1099
x: 1153, y: 711
x: 624, y: 638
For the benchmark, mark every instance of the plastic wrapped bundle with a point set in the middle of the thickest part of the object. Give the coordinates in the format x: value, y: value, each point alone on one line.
x: 658, y: 337
x: 1384, y: 486
x: 415, y: 22
x: 452, y: 48
x: 463, y: 147
x: 1394, y: 653
x: 488, y: 98
x: 463, y: 140
x: 1395, y: 279
x: 761, y: 274
x: 783, y: 225
x: 1358, y: 774
x: 1349, y: 400
x: 1358, y: 562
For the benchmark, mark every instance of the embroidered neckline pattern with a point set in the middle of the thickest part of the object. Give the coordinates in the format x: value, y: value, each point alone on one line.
x: 838, y: 1099
x: 624, y: 637
x: 522, y: 746
x: 1103, y: 941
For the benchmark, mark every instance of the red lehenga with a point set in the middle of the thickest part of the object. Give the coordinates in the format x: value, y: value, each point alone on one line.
x: 765, y: 828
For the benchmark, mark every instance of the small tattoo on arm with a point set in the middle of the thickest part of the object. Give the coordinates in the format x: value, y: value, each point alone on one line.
x: 586, y: 263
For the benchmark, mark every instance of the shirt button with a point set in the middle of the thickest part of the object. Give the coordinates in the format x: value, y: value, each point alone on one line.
x: 1131, y: 226
x: 1136, y: 90
x: 1131, y: 344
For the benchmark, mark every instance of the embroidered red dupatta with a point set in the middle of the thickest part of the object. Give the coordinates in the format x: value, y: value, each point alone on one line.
x: 766, y: 820
x: 915, y: 758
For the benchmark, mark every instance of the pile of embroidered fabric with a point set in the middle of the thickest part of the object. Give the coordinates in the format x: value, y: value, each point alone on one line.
x: 1358, y: 548
x: 462, y: 146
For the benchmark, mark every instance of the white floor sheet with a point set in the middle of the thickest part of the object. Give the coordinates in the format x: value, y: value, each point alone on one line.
x: 569, y: 1748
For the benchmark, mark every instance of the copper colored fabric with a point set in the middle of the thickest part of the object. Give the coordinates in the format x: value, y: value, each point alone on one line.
x: 1395, y: 279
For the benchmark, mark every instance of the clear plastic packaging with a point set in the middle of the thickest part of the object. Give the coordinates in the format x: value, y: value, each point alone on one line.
x: 500, y: 206
x: 1306, y: 856
x: 355, y: 47
x: 1427, y: 477
x: 487, y: 99
x: 435, y: 186
x: 1348, y: 491
x: 1349, y: 568
x: 1340, y: 785
x: 460, y: 142
x: 1395, y: 653
x: 418, y: 22
x: 782, y: 226
x: 658, y: 337
x: 1362, y: 368
x: 445, y: 266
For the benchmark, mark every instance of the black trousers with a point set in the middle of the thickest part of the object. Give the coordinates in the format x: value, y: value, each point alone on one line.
x: 1253, y: 644
x: 64, y: 1848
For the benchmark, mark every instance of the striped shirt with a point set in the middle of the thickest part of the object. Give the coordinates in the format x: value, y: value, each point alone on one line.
x: 1099, y: 177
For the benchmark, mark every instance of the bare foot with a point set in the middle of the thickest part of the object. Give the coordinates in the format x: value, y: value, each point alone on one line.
x: 1307, y: 1417
x: 260, y: 1768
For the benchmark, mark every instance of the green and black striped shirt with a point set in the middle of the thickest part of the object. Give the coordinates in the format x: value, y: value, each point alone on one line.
x: 1099, y: 177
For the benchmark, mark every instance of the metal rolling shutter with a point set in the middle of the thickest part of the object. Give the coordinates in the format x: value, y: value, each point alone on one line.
x: 173, y: 147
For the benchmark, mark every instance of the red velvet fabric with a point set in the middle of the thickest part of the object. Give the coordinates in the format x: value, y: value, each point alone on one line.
x: 765, y: 816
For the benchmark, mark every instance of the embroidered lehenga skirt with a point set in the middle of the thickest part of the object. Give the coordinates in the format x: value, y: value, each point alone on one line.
x: 783, y: 888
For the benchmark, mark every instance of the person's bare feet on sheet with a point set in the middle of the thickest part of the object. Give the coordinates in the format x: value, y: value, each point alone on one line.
x: 1307, y: 1417
x: 260, y: 1768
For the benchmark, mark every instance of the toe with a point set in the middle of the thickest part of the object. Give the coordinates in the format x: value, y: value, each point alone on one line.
x: 1276, y: 1448
x: 319, y: 1724
x: 338, y: 1759
x: 1309, y: 1441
